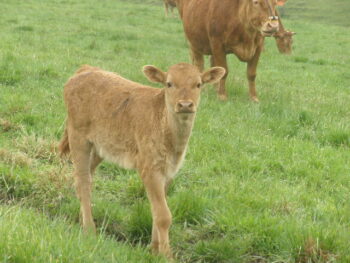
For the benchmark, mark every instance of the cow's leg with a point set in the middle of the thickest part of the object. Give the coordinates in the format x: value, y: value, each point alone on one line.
x: 251, y: 75
x: 155, y: 187
x: 197, y: 59
x: 172, y: 12
x: 166, y: 8
x: 218, y: 58
x: 80, y: 153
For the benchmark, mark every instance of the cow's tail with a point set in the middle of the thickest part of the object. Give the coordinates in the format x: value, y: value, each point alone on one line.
x: 63, y: 146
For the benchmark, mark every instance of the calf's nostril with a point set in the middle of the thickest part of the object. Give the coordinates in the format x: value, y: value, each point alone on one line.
x: 186, y: 104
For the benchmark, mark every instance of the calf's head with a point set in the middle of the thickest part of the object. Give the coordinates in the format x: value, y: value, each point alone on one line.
x: 284, y: 41
x: 262, y: 15
x: 183, y: 83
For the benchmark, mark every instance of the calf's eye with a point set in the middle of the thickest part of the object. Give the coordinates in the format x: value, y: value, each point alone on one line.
x: 168, y: 84
x: 198, y: 85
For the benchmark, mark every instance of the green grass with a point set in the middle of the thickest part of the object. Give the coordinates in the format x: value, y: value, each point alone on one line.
x: 264, y: 182
x: 27, y: 236
x: 320, y: 11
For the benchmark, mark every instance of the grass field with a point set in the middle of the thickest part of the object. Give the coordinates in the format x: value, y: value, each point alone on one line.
x: 264, y: 182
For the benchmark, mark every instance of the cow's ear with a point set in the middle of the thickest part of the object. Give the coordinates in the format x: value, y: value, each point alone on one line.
x: 154, y: 74
x: 213, y: 75
x: 281, y: 2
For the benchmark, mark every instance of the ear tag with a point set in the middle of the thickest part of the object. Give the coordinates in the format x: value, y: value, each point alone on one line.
x: 273, y: 18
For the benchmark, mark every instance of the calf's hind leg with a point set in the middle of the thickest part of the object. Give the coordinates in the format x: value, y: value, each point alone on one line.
x: 81, y: 156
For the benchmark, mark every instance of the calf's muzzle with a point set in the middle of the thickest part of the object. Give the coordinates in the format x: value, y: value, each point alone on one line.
x: 185, y: 106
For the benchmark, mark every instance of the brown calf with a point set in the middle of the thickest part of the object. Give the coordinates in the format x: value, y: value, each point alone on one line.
x: 220, y: 27
x: 135, y: 126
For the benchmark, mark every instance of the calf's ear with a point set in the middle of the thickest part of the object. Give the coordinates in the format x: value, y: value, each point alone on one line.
x: 281, y: 2
x: 213, y: 75
x: 154, y: 74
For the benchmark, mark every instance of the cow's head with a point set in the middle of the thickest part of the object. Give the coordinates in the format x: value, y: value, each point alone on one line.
x: 183, y: 83
x: 263, y: 15
x: 284, y: 41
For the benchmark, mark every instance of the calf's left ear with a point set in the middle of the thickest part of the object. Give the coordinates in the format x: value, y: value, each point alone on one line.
x: 213, y: 75
x: 281, y: 2
x: 154, y: 74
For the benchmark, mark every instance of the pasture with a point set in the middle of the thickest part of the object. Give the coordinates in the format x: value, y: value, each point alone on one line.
x: 265, y: 182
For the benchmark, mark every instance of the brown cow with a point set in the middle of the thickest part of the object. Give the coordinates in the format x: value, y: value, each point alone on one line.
x: 135, y: 126
x: 220, y: 27
x: 167, y: 4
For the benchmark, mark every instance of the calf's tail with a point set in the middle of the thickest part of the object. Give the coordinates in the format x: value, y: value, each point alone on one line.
x: 63, y: 146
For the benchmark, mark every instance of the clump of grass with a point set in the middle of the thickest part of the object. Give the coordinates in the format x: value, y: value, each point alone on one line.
x: 312, y: 252
x: 216, y: 251
x: 25, y: 28
x: 109, y: 218
x: 48, y: 73
x: 301, y: 59
x: 6, y: 125
x: 56, y: 240
x: 93, y: 45
x: 15, y: 158
x: 10, y: 70
x: 139, y: 225
x: 38, y: 148
x: 134, y: 190
x: 305, y: 118
x: 189, y: 208
x: 337, y: 138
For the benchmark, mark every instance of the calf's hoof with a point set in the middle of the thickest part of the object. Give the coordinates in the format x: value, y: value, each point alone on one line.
x: 154, y: 247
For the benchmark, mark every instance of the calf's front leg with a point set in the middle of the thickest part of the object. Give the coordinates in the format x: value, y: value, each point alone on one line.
x: 155, y: 187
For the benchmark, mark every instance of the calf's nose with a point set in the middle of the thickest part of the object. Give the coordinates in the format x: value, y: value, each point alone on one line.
x: 185, y: 106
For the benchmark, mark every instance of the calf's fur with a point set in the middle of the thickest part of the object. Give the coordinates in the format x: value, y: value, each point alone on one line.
x: 135, y: 126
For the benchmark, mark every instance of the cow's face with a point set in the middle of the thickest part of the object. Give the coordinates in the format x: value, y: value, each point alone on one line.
x: 263, y: 15
x: 183, y: 83
x: 284, y: 41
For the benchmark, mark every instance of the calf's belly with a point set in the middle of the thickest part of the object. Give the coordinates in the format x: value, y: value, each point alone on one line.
x: 123, y: 158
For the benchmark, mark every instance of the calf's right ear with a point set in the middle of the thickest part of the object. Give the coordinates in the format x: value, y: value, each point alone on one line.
x: 154, y: 74
x: 213, y: 75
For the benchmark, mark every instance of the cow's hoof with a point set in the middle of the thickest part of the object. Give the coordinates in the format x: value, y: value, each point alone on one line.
x: 254, y: 99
